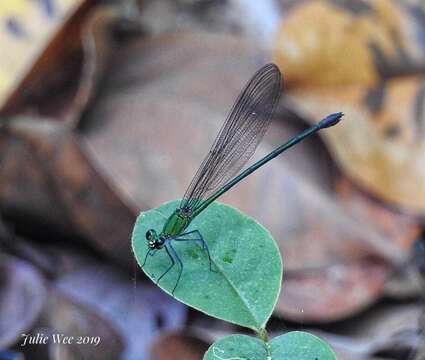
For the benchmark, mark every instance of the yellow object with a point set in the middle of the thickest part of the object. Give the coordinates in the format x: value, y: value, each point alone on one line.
x: 319, y: 43
x: 26, y: 28
x: 382, y: 151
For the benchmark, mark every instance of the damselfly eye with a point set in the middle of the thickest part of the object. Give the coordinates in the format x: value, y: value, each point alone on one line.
x: 149, y: 234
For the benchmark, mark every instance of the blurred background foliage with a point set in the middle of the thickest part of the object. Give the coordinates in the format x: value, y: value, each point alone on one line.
x: 107, y: 109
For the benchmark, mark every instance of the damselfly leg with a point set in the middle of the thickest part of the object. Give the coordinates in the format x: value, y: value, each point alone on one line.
x: 172, y: 254
x: 195, y: 236
x: 151, y: 252
x: 191, y: 236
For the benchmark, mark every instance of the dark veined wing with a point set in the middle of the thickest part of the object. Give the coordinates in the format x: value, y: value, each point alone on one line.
x: 239, y: 136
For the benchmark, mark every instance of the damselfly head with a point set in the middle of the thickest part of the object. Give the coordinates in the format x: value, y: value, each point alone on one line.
x: 151, y: 237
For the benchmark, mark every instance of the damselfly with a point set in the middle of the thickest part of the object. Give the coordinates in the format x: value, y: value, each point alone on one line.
x: 236, y: 142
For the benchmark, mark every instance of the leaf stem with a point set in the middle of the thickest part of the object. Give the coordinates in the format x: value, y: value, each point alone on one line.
x: 264, y: 337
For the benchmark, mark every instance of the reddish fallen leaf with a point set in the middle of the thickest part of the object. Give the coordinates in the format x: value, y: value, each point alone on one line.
x: 179, y: 346
x: 331, y: 293
x: 396, y: 227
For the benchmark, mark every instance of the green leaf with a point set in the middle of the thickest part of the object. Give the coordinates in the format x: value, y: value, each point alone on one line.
x: 245, y: 283
x: 237, y: 347
x: 298, y: 345
x: 295, y: 345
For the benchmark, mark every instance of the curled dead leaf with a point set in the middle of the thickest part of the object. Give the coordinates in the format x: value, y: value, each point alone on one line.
x: 62, y: 78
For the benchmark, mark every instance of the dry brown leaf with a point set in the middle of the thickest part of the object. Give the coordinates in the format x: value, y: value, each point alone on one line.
x: 311, y: 54
x: 28, y: 39
x: 380, y: 142
x: 45, y: 174
x: 64, y: 77
x: 346, y: 60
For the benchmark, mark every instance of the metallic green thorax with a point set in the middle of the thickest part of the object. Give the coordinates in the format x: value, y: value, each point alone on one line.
x: 176, y: 223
